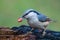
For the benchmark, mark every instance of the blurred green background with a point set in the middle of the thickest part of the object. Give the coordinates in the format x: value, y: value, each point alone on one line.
x: 10, y: 10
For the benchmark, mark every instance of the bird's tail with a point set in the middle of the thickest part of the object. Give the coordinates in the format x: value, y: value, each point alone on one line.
x: 53, y: 20
x: 50, y: 20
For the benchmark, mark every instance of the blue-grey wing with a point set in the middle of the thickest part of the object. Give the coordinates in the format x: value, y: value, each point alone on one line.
x: 42, y: 18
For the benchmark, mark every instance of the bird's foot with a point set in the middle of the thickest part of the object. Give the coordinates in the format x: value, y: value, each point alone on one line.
x: 43, y: 34
x: 29, y: 32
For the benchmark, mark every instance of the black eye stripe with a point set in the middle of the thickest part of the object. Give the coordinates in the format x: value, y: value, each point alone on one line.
x: 31, y: 11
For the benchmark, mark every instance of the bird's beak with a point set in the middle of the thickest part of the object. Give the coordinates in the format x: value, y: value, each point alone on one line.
x: 20, y: 19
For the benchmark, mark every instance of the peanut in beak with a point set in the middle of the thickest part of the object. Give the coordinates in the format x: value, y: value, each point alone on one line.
x: 20, y: 19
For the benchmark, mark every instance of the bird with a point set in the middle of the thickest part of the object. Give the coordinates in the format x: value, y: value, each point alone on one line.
x: 36, y: 20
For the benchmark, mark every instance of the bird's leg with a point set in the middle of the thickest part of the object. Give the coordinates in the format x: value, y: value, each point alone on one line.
x: 43, y: 34
x: 30, y: 32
